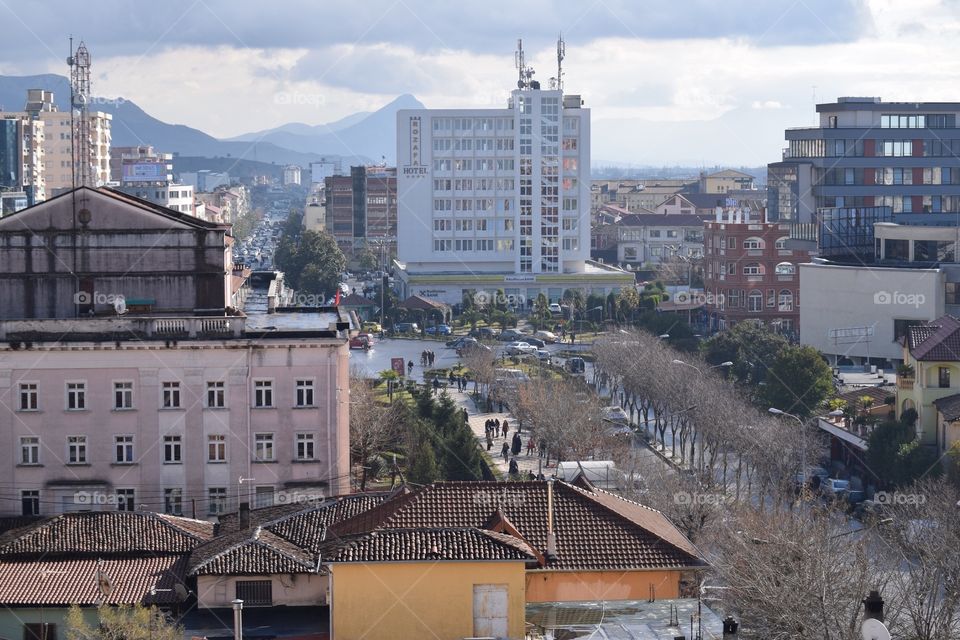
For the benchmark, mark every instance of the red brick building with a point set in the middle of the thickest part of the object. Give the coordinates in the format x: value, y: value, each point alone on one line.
x: 750, y: 274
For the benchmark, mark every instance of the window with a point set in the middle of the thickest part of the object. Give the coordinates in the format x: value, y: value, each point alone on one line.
x: 76, y: 449
x: 123, y: 395
x: 753, y: 243
x: 28, y: 396
x: 785, y: 300
x: 755, y: 301
x: 123, y: 446
x: 255, y: 592
x: 125, y: 500
x: 30, y: 450
x: 171, y: 395
x: 173, y: 501
x: 731, y: 243
x: 39, y: 631
x: 944, y: 377
x: 262, y: 393
x: 216, y: 395
x: 172, y: 449
x: 216, y: 500
x: 305, y: 446
x: 216, y: 448
x: 76, y: 396
x: 263, y: 496
x: 752, y: 269
x: 263, y: 447
x: 30, y: 503
x: 781, y: 243
x: 305, y: 393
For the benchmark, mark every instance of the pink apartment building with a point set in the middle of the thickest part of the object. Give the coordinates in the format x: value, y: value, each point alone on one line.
x: 181, y: 404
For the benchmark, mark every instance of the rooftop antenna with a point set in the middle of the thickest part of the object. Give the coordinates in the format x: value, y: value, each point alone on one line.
x: 79, y: 63
x: 561, y: 51
x: 525, y: 73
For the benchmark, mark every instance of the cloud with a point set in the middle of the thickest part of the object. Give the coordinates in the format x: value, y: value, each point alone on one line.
x: 766, y: 104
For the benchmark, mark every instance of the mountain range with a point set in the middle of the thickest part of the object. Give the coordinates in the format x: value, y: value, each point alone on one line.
x: 359, y: 138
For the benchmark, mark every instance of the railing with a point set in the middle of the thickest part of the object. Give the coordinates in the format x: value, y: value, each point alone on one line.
x: 904, y: 383
x: 124, y: 326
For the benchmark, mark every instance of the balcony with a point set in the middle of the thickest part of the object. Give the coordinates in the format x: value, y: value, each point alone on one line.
x: 905, y: 383
x: 123, y: 327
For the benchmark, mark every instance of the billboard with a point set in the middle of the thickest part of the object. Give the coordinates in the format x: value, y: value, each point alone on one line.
x: 145, y: 172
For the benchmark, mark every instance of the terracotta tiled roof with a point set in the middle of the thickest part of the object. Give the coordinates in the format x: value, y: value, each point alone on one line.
x: 936, y: 341
x: 949, y: 407
x: 347, y: 506
x: 106, y: 533
x: 74, y: 581
x: 308, y: 528
x: 413, y: 545
x: 594, y: 530
x: 257, y: 552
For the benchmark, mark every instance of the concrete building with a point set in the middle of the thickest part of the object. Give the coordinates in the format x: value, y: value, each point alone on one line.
x: 497, y: 197
x: 291, y: 174
x: 57, y: 149
x: 323, y: 169
x: 138, y: 373
x: 750, y: 274
x: 893, y: 159
x: 147, y: 174
x: 205, y: 180
x: 652, y: 238
x: 725, y: 181
x: 361, y: 208
x: 21, y: 156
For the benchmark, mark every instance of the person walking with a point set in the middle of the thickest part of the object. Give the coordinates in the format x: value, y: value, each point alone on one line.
x: 531, y: 445
x: 514, y: 467
x: 505, y: 428
x: 516, y: 446
x: 505, y: 451
x: 410, y: 368
x: 489, y: 441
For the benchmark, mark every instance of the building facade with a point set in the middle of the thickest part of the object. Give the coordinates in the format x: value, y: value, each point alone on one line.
x: 750, y: 274
x: 361, y: 208
x: 497, y: 194
x: 654, y: 238
x: 136, y: 374
x: 291, y: 174
x: 21, y: 156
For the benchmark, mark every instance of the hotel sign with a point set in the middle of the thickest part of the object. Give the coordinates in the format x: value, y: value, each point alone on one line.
x: 415, y: 167
x: 520, y: 278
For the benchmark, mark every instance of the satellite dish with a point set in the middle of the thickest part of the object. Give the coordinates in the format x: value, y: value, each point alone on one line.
x: 120, y: 305
x: 181, y: 591
x: 873, y: 629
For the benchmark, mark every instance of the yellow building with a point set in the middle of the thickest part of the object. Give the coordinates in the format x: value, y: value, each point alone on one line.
x: 931, y: 357
x: 444, y: 584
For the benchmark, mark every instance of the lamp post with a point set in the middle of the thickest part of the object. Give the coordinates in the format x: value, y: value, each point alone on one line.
x: 728, y: 363
x: 803, y: 449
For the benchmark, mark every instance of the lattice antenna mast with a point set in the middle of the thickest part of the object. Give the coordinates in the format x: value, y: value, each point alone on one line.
x: 525, y: 73
x: 561, y: 52
x: 79, y: 63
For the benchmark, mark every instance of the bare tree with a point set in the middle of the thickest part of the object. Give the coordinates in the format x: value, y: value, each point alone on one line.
x: 375, y: 427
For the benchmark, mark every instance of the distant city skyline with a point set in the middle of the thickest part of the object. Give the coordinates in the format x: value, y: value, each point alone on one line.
x: 689, y: 83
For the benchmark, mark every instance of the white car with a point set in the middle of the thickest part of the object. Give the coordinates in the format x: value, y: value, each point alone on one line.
x: 546, y: 336
x: 520, y: 349
x: 555, y: 308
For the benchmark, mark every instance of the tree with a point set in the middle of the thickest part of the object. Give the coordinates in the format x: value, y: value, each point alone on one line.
x: 799, y: 381
x: 124, y: 622
x: 375, y: 427
x: 367, y: 259
x: 422, y: 465
x: 311, y: 260
x: 751, y: 348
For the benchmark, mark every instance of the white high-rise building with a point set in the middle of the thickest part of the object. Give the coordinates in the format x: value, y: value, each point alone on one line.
x: 494, y: 199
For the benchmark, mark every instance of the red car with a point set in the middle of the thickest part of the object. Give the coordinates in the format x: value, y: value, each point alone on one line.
x: 361, y: 341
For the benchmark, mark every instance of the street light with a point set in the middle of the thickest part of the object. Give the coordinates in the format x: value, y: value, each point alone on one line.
x: 698, y: 369
x: 803, y: 432
x: 237, y: 619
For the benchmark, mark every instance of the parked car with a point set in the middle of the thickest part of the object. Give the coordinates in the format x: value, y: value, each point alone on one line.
x: 472, y: 347
x: 834, y: 487
x: 372, y: 327
x: 440, y: 330
x: 535, y: 342
x: 546, y: 336
x: 544, y: 356
x: 520, y: 349
x: 456, y: 343
x: 575, y: 365
x: 555, y: 308
x: 511, y: 335
x: 406, y: 327
x: 484, y: 333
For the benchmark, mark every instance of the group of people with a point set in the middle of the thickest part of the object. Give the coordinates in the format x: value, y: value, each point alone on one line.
x: 459, y: 381
x: 426, y: 358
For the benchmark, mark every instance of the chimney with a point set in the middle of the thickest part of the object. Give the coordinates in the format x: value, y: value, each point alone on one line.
x: 551, y: 554
x: 244, y: 515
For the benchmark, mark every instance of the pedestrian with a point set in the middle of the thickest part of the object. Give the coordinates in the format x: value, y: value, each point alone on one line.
x: 436, y: 385
x: 514, y: 467
x: 410, y: 368
x: 489, y: 441
x: 505, y: 451
x: 431, y: 356
x: 531, y: 476
x: 505, y: 427
x: 516, y: 446
x: 423, y: 358
x: 573, y: 337
x: 543, y: 447
x: 531, y: 445
x: 450, y: 377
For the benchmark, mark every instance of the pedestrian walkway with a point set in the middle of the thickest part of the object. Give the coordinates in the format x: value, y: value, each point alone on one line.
x: 525, y: 463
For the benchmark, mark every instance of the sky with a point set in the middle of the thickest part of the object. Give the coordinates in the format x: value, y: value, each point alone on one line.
x: 689, y: 82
